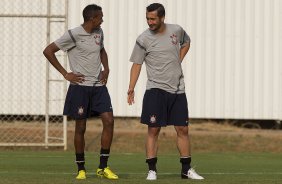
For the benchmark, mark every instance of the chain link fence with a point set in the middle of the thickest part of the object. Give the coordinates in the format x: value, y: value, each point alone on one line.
x: 32, y: 92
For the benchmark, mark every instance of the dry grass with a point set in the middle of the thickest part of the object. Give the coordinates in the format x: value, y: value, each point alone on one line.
x: 206, y: 136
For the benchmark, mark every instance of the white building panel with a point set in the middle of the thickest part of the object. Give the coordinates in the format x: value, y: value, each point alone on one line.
x: 233, y: 69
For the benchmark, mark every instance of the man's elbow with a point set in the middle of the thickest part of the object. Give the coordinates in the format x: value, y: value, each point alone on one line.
x: 45, y: 51
x: 50, y: 50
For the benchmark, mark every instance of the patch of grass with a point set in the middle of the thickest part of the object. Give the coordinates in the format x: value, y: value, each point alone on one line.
x: 44, y: 167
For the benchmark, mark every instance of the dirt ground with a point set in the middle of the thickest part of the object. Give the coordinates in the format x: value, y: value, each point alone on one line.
x: 206, y: 136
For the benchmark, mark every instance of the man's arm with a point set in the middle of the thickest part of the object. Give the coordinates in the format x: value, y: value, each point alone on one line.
x: 105, y: 63
x: 49, y: 53
x: 134, y: 74
x: 183, y: 51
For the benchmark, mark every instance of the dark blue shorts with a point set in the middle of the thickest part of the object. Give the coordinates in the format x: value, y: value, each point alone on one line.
x: 85, y: 101
x: 161, y: 108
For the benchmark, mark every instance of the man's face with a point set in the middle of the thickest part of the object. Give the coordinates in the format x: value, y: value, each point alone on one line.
x: 98, y: 19
x: 154, y: 22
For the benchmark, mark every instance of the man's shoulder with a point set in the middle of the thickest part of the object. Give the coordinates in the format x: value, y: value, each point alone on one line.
x: 174, y: 26
x: 76, y: 31
x: 145, y: 35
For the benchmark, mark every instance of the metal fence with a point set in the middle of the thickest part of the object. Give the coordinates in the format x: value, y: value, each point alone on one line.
x: 32, y: 92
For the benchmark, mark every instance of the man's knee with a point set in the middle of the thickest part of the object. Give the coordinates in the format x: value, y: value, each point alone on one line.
x: 182, y: 130
x: 80, y: 127
x: 153, y: 131
x: 108, y: 120
x: 80, y: 130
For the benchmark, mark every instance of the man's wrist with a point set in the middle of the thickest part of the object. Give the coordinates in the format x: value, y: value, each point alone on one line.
x: 130, y: 91
x: 65, y: 76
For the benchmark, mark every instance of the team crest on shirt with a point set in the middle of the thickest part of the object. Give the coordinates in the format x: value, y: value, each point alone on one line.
x: 153, y: 119
x: 174, y: 39
x: 80, y: 110
x: 97, y: 38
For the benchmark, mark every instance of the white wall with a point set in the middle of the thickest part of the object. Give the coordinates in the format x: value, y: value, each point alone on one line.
x: 233, y: 69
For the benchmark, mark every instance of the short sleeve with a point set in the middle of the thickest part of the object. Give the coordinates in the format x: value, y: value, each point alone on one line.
x: 138, y: 53
x: 65, y: 42
x: 102, y: 40
x: 184, y: 39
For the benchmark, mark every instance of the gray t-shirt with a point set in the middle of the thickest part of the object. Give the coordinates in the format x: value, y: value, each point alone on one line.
x: 161, y: 53
x: 83, y: 53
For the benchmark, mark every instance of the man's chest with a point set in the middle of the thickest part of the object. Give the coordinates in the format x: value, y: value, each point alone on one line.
x: 89, y: 43
x: 164, y: 43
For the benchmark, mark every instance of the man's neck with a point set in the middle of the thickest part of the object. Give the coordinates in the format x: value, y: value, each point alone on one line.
x: 161, y: 29
x: 88, y: 28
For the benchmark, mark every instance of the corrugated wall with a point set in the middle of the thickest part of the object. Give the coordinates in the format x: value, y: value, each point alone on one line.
x: 233, y: 69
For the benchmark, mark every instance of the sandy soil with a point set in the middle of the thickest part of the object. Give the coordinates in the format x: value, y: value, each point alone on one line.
x: 206, y: 136
x: 129, y: 136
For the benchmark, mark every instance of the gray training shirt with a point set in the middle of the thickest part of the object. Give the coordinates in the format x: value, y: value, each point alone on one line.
x: 84, y: 53
x: 161, y: 53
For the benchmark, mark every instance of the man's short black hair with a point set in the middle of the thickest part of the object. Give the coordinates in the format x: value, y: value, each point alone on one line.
x: 157, y: 6
x: 90, y: 11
